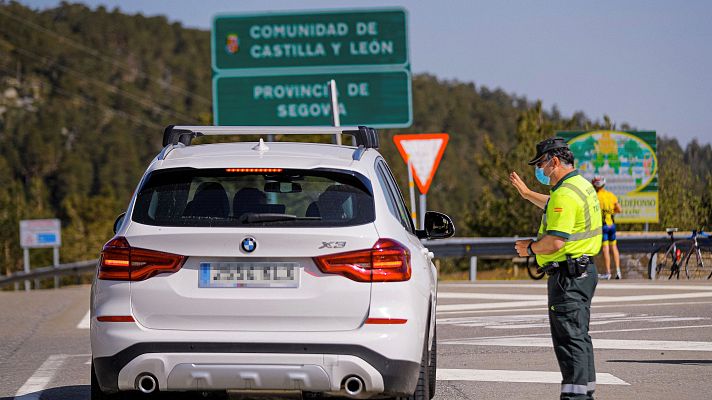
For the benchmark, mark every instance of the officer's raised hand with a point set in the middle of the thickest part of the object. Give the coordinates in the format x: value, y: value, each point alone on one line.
x: 519, y: 184
x: 538, y: 199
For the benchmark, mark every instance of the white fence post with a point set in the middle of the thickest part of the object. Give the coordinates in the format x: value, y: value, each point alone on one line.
x: 473, y: 268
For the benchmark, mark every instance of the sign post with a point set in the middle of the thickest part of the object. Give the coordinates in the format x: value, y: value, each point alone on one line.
x: 335, y: 108
x: 411, y: 191
x: 275, y: 68
x: 422, y: 152
x: 40, y: 233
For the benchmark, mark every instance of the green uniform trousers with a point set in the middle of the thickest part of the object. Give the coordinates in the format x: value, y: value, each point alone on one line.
x: 569, y: 316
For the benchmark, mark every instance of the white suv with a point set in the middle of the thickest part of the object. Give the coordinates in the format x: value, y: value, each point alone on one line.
x: 268, y: 267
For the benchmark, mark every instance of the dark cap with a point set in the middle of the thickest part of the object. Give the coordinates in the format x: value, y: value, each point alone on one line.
x: 546, y: 146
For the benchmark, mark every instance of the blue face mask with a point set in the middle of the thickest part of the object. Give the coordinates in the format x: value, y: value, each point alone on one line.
x: 541, y: 176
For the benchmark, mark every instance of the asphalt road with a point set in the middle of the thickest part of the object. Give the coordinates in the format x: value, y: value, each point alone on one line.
x: 652, y: 341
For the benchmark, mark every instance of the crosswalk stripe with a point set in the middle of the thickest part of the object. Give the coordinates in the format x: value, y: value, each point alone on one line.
x: 541, y: 320
x: 548, y: 334
x: 531, y: 303
x: 598, y: 344
x: 498, y: 375
x: 490, y: 306
x: 626, y: 306
x: 490, y: 296
x: 602, y: 285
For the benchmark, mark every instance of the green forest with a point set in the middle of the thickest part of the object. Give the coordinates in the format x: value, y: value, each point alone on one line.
x: 85, y: 94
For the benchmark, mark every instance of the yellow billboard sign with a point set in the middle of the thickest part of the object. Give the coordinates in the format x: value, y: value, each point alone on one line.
x: 629, y: 162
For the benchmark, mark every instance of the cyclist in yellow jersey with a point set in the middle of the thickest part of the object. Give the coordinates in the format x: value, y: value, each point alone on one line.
x: 569, y: 236
x: 609, y: 207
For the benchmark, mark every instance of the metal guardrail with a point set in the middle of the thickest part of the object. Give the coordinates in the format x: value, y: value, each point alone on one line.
x: 77, y: 268
x: 503, y: 247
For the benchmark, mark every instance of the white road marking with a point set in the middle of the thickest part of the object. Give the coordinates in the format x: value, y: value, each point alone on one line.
x: 548, y: 334
x: 497, y: 375
x: 84, y: 323
x: 490, y: 306
x: 596, y: 300
x: 492, y: 285
x: 527, y: 321
x: 657, y: 328
x: 490, y: 296
x: 642, y: 286
x: 32, y: 389
x: 648, y: 297
x: 614, y: 344
x: 680, y: 303
x: 601, y: 285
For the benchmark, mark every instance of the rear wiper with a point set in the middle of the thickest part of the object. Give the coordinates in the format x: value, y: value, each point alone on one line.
x: 251, y: 218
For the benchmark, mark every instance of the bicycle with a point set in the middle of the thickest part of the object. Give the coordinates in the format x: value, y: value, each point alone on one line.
x: 664, y: 260
x: 667, y: 261
x: 703, y: 257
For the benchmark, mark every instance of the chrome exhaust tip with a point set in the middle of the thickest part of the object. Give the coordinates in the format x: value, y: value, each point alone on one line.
x: 146, y: 383
x: 353, y: 385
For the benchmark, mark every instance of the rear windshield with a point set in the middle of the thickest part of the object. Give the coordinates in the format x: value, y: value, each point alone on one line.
x: 231, y: 197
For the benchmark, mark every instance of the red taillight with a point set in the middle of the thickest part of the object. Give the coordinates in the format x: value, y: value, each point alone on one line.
x: 387, y: 261
x: 258, y: 170
x: 386, y: 321
x: 115, y: 318
x: 121, y: 262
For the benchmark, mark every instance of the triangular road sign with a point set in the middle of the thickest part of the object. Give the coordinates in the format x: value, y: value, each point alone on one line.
x: 425, y: 151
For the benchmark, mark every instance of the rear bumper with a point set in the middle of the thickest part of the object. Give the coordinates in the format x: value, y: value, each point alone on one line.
x: 310, y: 367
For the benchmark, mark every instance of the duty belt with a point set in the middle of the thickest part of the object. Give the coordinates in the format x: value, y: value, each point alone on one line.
x: 572, y: 266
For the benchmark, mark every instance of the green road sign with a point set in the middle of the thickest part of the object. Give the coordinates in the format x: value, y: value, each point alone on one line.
x: 317, y: 39
x: 379, y: 99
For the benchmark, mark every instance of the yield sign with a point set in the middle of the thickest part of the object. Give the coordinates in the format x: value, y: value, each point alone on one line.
x: 425, y: 151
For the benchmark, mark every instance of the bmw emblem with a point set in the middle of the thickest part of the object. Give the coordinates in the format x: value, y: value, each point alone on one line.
x: 248, y: 244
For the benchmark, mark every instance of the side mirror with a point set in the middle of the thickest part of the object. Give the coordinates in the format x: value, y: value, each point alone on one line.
x: 119, y: 221
x: 437, y: 226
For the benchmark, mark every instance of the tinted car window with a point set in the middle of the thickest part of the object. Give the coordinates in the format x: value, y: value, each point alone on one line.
x: 224, y: 197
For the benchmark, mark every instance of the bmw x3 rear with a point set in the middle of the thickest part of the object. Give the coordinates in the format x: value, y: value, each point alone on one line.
x: 268, y: 267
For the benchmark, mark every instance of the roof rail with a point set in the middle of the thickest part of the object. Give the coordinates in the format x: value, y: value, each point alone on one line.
x: 174, y: 134
x: 164, y: 152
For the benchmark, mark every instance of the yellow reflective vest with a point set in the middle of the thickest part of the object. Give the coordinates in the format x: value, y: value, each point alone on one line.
x: 574, y: 214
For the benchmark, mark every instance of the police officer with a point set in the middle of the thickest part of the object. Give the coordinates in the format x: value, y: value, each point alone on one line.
x: 569, y: 237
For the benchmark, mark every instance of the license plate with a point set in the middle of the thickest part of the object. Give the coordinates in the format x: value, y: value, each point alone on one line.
x: 248, y: 275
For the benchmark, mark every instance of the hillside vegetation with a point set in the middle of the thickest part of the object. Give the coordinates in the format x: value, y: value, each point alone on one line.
x: 85, y: 93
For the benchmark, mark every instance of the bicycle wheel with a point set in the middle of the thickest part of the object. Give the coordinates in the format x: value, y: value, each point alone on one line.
x: 654, y: 262
x: 668, y: 265
x: 698, y: 264
x: 706, y: 255
x: 660, y: 264
x: 533, y: 270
